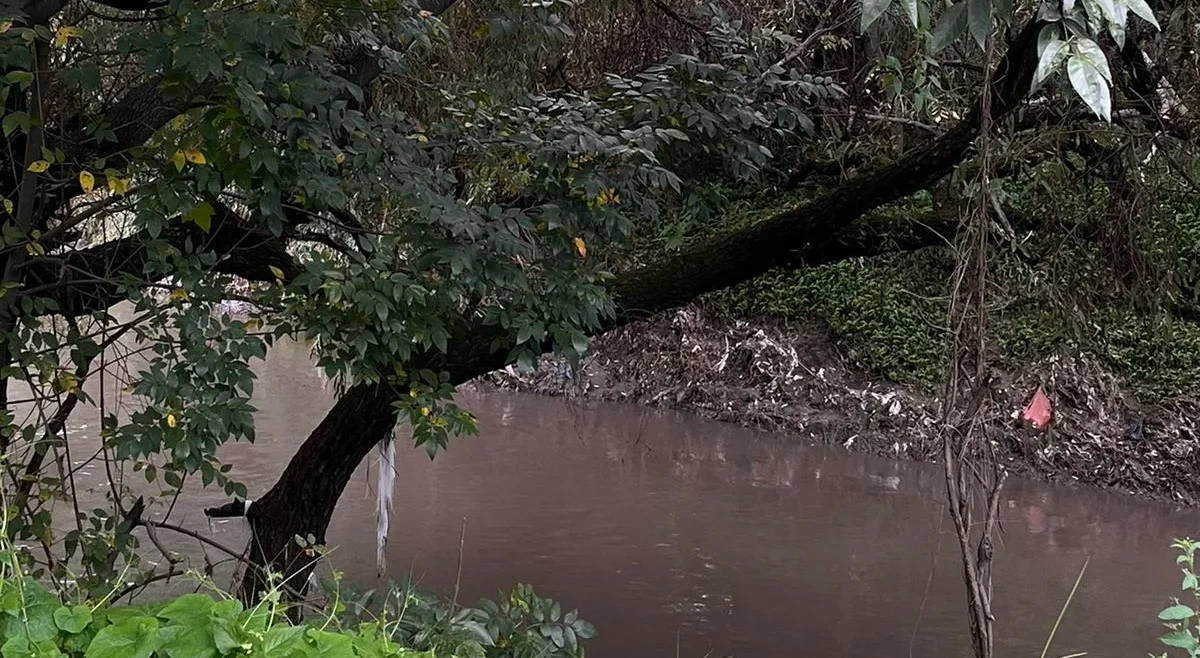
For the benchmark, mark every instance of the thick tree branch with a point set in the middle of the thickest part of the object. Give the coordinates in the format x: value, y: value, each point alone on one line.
x: 302, y: 501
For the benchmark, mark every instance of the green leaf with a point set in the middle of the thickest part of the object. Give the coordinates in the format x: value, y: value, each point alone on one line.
x: 331, y: 645
x: 278, y: 639
x: 189, y: 607
x: 201, y: 216
x: 1117, y: 28
x: 34, y: 618
x: 194, y: 640
x: 16, y: 646
x: 1091, y: 51
x: 137, y: 637
x: 1003, y: 9
x: 1046, y: 36
x: 1049, y: 61
x: 910, y: 8
x: 12, y: 121
x: 1189, y: 581
x: 1108, y: 9
x: 871, y: 11
x: 73, y: 619
x: 584, y: 629
x: 1177, y: 612
x: 579, y: 343
x: 23, y: 78
x: 1143, y: 10
x: 223, y: 636
x: 949, y: 27
x: 1181, y: 639
x: 979, y: 19
x: 1090, y: 85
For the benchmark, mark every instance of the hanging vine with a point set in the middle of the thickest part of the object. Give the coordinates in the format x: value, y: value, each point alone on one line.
x: 970, y: 463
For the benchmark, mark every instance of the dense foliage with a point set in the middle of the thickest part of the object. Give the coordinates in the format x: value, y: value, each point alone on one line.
x: 246, y: 158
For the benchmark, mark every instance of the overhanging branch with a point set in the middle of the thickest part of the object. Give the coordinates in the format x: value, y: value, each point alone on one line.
x: 86, y: 280
x: 302, y: 500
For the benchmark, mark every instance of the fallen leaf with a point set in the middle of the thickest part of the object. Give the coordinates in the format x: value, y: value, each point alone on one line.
x: 581, y: 247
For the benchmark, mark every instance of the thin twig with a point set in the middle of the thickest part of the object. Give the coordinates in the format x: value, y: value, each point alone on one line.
x: 462, y: 540
x: 198, y: 537
x: 804, y: 45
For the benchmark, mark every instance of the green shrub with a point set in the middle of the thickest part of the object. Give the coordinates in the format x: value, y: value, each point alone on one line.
x: 1181, y: 620
x: 889, y: 323
x: 34, y: 622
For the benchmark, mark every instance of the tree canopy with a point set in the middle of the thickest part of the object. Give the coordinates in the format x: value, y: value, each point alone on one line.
x: 429, y: 191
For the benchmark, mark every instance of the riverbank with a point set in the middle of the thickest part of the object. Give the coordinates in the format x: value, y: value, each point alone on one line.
x: 800, y: 379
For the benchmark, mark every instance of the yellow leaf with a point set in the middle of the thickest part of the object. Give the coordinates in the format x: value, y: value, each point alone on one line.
x: 87, y: 181
x: 5, y: 26
x: 581, y: 247
x: 171, y: 420
x: 68, y: 382
x: 424, y: 411
x: 179, y: 295
x: 607, y: 197
x: 425, y: 13
x: 277, y: 272
x: 118, y: 185
x: 482, y: 31
x: 195, y: 157
x: 35, y: 249
x: 179, y: 159
x: 8, y: 205
x: 340, y: 158
x: 64, y: 34
x: 38, y: 166
x: 178, y: 122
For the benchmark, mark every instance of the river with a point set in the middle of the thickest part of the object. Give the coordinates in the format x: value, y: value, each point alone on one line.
x: 678, y: 536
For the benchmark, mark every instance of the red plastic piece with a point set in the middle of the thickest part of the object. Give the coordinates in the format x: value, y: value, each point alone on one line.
x: 1038, y: 412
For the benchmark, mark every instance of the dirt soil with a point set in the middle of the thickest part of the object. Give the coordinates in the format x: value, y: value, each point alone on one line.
x: 800, y: 379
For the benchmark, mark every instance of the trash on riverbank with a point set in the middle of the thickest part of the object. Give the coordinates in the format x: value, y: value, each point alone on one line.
x: 799, y: 379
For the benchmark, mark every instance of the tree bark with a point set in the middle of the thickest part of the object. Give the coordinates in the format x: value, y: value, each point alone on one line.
x: 322, y: 468
x: 302, y: 501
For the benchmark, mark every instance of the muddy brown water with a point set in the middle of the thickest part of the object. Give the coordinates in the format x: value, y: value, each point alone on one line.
x: 679, y: 536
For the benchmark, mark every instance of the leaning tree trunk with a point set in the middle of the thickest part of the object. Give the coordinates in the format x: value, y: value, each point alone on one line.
x: 302, y: 501
x: 318, y: 473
